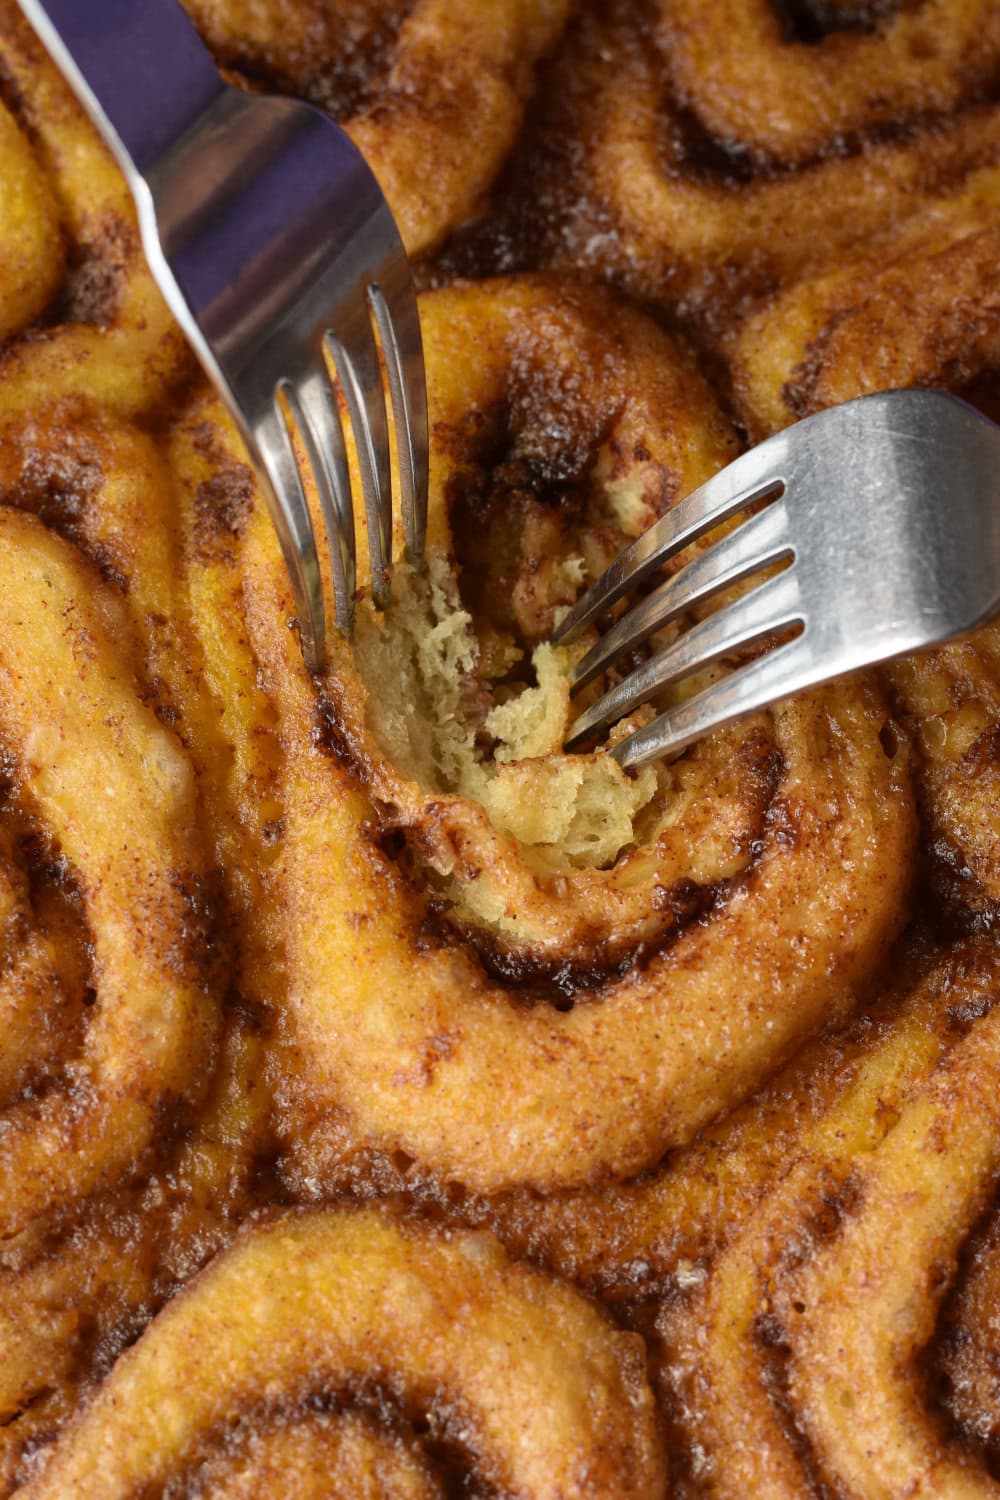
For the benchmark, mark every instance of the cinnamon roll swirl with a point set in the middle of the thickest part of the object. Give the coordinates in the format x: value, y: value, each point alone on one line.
x: 391, y: 1103
x: 130, y: 1105
x: 78, y: 1287
x: 114, y: 796
x: 332, y: 1305
x: 517, y: 867
x: 698, y: 153
x: 928, y: 59
x: 811, y: 1327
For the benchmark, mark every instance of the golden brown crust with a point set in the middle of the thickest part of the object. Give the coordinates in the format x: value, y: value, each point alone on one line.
x: 312, y: 1302
x: 698, y: 155
x: 112, y: 343
x: 432, y: 92
x: 373, y: 945
x: 763, y: 1339
x: 911, y: 63
x: 417, y: 1043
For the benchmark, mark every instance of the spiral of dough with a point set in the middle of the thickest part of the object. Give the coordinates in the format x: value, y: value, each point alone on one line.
x: 109, y: 1063
x: 426, y: 1041
x: 810, y: 1326
x: 77, y: 1289
x: 390, y: 1103
x: 685, y: 179
x: 85, y: 1277
x: 809, y: 1254
x: 822, y: 90
x: 326, y: 1306
x: 869, y: 1299
x: 113, y: 792
x: 109, y: 1046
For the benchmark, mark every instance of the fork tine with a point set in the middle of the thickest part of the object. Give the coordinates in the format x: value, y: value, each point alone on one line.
x: 394, y: 305
x: 314, y: 408
x: 753, y: 476
x: 356, y: 360
x: 777, y: 674
x: 767, y: 607
x: 272, y: 448
x: 756, y: 543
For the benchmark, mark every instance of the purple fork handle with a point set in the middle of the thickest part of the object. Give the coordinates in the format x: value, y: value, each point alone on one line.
x: 138, y: 66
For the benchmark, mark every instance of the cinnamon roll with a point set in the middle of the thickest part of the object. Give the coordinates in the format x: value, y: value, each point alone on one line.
x: 131, y: 1101
x: 811, y: 1327
x: 673, y: 910
x: 311, y: 1306
x: 391, y: 1103
x: 699, y: 153
x: 78, y: 1287
x: 111, y: 791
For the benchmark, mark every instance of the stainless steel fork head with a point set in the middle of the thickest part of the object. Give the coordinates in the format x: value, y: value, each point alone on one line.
x: 276, y: 251
x: 887, y: 512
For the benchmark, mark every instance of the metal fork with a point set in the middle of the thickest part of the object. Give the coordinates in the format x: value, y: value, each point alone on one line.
x: 886, y: 511
x: 275, y: 249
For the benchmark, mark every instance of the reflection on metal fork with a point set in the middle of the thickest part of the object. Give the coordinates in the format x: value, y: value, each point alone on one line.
x: 277, y: 253
x: 886, y: 511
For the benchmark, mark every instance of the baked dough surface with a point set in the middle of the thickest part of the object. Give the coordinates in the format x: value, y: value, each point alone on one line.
x: 392, y: 1104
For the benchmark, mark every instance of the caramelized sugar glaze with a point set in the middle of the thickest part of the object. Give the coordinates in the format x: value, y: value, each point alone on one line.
x: 391, y: 1103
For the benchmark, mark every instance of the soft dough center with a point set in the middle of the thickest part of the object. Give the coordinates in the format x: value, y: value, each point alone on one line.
x: 440, y: 709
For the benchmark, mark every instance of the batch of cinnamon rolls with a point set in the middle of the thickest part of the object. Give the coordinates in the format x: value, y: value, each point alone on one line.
x: 392, y: 1104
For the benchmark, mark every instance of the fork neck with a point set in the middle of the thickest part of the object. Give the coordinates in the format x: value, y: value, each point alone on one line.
x: 138, y: 67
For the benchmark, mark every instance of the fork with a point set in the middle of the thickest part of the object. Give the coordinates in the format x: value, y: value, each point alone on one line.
x: 886, y: 513
x: 278, y: 255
